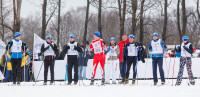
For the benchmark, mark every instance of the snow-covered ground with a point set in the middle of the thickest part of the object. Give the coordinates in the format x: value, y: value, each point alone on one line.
x: 143, y: 89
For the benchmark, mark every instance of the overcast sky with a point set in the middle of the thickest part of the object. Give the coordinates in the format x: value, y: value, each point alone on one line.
x: 30, y: 7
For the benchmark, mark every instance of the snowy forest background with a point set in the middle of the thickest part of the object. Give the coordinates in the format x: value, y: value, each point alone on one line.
x: 112, y: 18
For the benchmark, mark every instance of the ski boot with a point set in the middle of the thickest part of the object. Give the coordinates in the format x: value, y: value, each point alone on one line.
x: 51, y: 83
x: 155, y: 83
x: 18, y: 83
x: 178, y: 84
x: 45, y: 83
x: 126, y: 81
x: 75, y: 83
x: 133, y: 82
x: 102, y: 81
x: 123, y: 80
x: 14, y: 83
x: 192, y: 82
x: 114, y: 82
x: 162, y: 83
x: 92, y: 81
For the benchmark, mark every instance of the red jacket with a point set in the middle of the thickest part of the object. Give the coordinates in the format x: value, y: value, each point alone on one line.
x: 97, y: 46
x: 121, y: 47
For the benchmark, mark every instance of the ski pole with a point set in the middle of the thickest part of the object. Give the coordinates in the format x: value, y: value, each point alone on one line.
x: 174, y: 66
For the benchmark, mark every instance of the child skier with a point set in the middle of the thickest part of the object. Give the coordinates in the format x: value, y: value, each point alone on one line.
x: 132, y: 50
x: 157, y: 46
x: 17, y: 48
x: 72, y: 48
x: 112, y: 62
x: 49, y: 49
x: 186, y: 50
x: 97, y: 47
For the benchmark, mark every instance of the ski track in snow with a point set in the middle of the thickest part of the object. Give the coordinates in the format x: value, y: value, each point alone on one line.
x: 143, y: 89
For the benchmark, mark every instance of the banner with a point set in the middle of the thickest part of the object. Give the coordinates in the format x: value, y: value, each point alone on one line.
x: 144, y: 70
x: 2, y: 48
x: 37, y: 45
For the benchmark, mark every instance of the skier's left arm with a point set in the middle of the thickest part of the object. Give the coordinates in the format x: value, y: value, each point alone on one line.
x: 24, y: 47
x: 163, y: 45
x: 78, y: 48
x: 190, y: 49
x: 54, y: 47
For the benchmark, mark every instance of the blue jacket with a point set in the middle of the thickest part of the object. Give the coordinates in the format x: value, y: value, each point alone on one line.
x: 163, y: 46
x: 83, y: 58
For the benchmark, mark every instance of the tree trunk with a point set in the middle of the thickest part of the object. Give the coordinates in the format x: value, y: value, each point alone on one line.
x: 86, y: 23
x: 141, y: 21
x: 184, y: 27
x: 44, y: 6
x: 2, y: 21
x: 16, y: 10
x: 134, y: 12
x: 165, y: 22
x: 122, y: 16
x: 99, y: 17
x: 59, y: 10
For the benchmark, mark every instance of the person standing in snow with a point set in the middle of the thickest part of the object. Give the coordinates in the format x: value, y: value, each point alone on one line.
x: 157, y: 48
x: 112, y: 62
x: 97, y: 47
x: 49, y: 49
x: 72, y: 48
x: 83, y: 59
x: 186, y: 50
x: 132, y: 50
x: 122, y: 58
x: 17, y: 48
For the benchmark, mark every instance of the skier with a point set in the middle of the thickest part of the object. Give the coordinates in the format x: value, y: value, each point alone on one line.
x: 132, y: 50
x: 112, y: 62
x: 49, y: 49
x: 17, y: 48
x: 186, y: 50
x: 122, y: 59
x: 156, y: 47
x: 97, y: 47
x: 72, y: 48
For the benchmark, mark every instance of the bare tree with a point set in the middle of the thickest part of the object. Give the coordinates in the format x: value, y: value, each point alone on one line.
x: 165, y: 21
x: 122, y: 16
x: 141, y: 21
x: 99, y: 17
x: 134, y: 13
x: 86, y: 22
x: 58, y: 34
x: 45, y: 20
x: 2, y: 21
x: 16, y: 10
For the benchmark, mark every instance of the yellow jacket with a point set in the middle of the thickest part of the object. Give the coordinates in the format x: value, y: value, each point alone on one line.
x: 24, y: 59
x: 9, y: 66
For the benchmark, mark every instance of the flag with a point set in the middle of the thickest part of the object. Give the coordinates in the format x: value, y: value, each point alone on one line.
x: 2, y: 48
x: 37, y: 45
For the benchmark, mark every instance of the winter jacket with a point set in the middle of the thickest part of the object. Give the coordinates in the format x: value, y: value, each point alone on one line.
x: 121, y: 48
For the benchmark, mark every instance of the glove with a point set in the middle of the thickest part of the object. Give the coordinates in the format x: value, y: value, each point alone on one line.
x: 47, y: 47
x: 67, y: 47
x: 143, y: 61
x: 184, y: 47
x: 51, y: 45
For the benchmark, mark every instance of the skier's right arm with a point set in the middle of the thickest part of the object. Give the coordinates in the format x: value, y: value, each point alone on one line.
x: 178, y: 49
x: 10, y: 43
x: 66, y: 48
x: 150, y: 47
x: 44, y: 49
